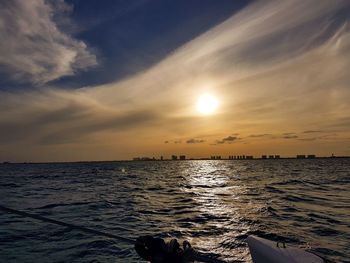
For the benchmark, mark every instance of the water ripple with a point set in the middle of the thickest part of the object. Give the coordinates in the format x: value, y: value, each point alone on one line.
x: 213, y: 204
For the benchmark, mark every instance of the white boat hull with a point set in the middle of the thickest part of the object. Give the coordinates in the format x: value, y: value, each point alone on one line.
x: 266, y: 251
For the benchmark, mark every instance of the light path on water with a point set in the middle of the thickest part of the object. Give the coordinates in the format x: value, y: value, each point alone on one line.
x: 214, y: 205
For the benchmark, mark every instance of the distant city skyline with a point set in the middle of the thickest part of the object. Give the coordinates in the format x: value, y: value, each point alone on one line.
x: 95, y: 80
x: 232, y: 157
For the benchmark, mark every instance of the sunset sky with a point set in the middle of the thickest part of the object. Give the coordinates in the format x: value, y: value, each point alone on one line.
x: 110, y: 80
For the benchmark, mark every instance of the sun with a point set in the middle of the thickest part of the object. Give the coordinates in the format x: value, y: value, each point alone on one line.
x: 207, y: 104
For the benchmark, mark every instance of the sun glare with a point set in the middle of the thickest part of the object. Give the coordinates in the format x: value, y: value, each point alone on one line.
x: 207, y: 104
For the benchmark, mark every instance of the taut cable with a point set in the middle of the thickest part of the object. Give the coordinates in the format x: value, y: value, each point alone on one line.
x: 198, y: 256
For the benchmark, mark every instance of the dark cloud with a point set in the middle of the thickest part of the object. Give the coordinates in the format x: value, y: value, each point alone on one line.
x: 174, y: 141
x: 291, y: 136
x: 259, y: 135
x: 195, y: 141
x: 311, y: 131
x: 229, y: 139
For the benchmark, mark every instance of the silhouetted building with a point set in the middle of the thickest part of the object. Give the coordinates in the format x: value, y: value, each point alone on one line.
x: 277, y: 156
x: 271, y: 156
x: 182, y: 157
x: 173, y: 157
x: 301, y: 156
x: 143, y: 159
x: 311, y: 156
x: 263, y: 156
x: 161, y: 158
x: 249, y: 157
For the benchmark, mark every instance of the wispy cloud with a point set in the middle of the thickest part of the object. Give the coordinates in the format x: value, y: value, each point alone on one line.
x: 324, y: 137
x: 33, y: 48
x: 69, y: 118
x: 273, y: 66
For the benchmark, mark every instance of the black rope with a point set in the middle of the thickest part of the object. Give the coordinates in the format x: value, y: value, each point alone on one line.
x: 198, y: 256
x: 72, y: 226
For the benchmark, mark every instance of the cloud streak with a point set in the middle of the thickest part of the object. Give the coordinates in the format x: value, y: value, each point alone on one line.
x: 68, y: 119
x: 273, y: 66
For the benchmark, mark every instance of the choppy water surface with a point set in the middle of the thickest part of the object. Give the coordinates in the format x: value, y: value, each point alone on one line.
x: 213, y: 204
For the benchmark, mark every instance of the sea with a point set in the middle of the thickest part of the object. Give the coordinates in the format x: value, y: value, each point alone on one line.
x: 214, y: 204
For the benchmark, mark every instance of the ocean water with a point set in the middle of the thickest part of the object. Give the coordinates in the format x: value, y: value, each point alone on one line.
x: 213, y: 204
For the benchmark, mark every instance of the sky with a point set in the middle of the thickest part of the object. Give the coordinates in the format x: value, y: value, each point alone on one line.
x: 85, y: 80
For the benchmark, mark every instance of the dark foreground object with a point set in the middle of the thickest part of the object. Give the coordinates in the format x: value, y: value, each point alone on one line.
x: 156, y: 250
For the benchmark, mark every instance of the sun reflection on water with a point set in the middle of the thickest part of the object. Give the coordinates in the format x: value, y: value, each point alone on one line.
x: 216, y: 196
